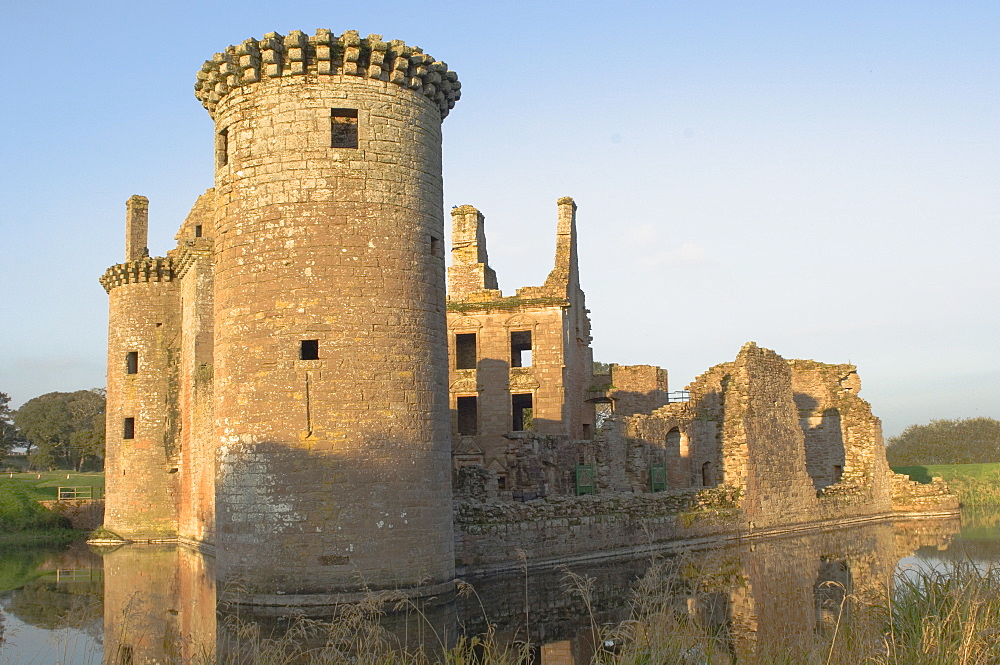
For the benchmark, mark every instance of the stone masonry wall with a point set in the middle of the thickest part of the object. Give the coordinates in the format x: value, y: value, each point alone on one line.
x: 497, y: 534
x: 196, y: 513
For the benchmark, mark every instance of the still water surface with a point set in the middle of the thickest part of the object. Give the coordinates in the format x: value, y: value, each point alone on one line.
x: 140, y: 603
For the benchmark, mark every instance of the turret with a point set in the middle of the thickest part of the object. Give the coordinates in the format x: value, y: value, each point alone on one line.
x: 330, y: 362
x: 142, y: 426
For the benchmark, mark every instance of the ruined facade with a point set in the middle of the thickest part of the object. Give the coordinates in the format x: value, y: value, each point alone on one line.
x: 519, y: 365
x: 293, y: 375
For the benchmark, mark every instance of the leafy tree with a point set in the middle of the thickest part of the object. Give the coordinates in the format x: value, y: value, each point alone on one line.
x: 968, y: 441
x: 601, y: 369
x: 8, y: 433
x: 65, y: 429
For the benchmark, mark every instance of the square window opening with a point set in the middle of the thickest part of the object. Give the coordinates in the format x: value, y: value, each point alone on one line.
x: 467, y: 415
x: 128, y: 428
x: 343, y: 128
x: 465, y: 351
x: 309, y: 349
x: 132, y: 362
x: 520, y: 348
x: 522, y: 412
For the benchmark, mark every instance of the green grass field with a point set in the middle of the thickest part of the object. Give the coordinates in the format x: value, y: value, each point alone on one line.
x: 23, y: 520
x: 975, y: 484
x: 43, y: 485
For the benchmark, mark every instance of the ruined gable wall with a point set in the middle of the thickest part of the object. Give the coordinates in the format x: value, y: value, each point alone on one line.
x: 762, y: 438
x: 840, y: 431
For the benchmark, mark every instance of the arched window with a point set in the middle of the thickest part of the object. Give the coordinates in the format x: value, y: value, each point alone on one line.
x: 674, y: 443
x: 707, y: 475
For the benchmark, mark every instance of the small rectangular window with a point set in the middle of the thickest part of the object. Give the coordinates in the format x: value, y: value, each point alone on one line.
x: 197, y: 230
x: 465, y: 351
x: 222, y: 147
x: 467, y: 416
x: 520, y: 348
x: 436, y: 247
x: 128, y: 428
x: 523, y: 415
x: 309, y: 349
x: 132, y: 362
x: 343, y: 128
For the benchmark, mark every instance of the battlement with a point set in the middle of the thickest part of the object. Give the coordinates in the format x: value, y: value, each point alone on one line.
x: 136, y: 271
x: 297, y: 54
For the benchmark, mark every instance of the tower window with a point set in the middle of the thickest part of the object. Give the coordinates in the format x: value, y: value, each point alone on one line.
x: 523, y: 415
x: 128, y: 428
x: 197, y: 230
x: 465, y: 351
x: 222, y: 147
x: 343, y: 128
x: 520, y: 348
x: 467, y: 412
x: 132, y: 362
x: 309, y: 350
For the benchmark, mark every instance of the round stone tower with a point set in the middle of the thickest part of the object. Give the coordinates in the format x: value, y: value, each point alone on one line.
x: 142, y: 424
x: 330, y: 336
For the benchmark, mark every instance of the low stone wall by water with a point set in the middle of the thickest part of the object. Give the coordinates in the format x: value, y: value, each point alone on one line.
x: 910, y: 496
x: 85, y: 514
x: 499, y: 534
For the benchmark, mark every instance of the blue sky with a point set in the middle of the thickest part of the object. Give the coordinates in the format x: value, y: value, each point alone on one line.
x: 821, y: 178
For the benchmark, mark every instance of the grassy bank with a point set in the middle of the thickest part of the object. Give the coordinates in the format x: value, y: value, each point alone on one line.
x: 23, y: 521
x: 44, y: 485
x: 975, y: 484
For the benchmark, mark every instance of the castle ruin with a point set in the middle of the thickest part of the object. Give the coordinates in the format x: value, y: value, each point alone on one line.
x: 293, y: 379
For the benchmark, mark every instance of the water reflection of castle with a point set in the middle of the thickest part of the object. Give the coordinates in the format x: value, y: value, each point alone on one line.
x: 160, y: 601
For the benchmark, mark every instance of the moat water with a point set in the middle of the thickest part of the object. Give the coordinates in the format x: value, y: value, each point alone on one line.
x: 142, y: 604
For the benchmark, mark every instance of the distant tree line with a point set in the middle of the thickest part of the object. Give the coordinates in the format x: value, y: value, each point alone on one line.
x: 57, y: 430
x: 968, y: 441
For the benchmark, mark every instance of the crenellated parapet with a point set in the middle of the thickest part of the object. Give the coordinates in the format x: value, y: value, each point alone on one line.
x: 324, y: 53
x: 136, y: 271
